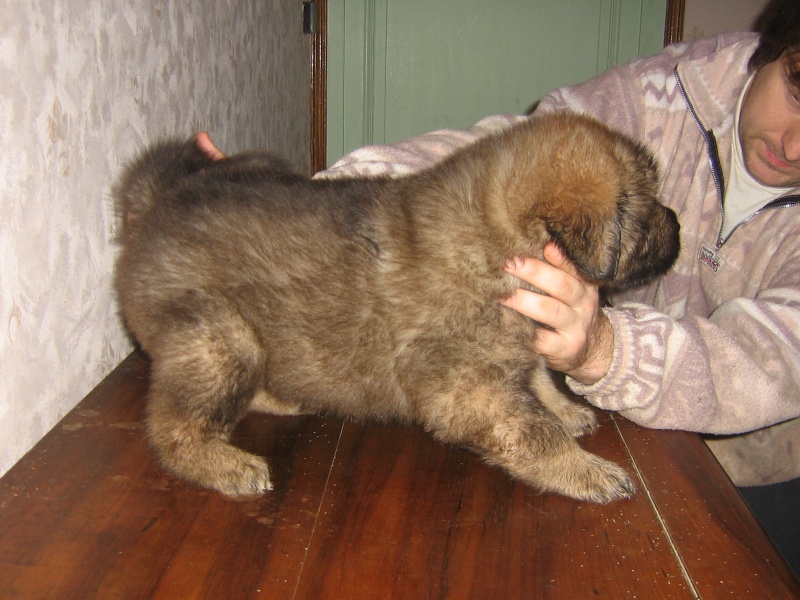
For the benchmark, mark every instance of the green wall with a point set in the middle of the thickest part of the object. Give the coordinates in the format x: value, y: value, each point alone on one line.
x: 398, y: 68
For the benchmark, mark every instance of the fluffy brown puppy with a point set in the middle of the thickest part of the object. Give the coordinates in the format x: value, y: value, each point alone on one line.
x: 254, y: 288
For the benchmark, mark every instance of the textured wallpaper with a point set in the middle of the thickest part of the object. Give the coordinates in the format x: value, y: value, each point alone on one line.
x: 83, y: 86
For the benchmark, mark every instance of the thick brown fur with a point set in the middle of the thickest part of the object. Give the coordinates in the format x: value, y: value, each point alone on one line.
x: 253, y: 288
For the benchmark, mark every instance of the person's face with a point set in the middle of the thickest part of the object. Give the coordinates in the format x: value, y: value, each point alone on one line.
x: 769, y: 125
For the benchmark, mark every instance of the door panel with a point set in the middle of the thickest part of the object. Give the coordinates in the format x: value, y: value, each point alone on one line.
x: 398, y: 68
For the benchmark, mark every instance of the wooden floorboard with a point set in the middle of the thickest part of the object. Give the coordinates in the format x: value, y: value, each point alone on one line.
x: 406, y: 513
x: 717, y: 537
x: 363, y: 510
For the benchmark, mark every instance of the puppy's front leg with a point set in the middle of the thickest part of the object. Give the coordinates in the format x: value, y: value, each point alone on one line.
x: 578, y: 419
x: 512, y: 429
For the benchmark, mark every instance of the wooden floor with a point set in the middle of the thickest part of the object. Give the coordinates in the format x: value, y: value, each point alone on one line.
x: 364, y: 511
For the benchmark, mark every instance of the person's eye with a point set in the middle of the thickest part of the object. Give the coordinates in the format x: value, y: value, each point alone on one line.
x: 792, y: 82
x: 793, y: 91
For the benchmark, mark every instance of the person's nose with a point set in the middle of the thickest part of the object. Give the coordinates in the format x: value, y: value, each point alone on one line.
x: 791, y: 141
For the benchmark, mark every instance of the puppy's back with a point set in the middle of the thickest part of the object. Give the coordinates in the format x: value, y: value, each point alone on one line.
x: 167, y: 165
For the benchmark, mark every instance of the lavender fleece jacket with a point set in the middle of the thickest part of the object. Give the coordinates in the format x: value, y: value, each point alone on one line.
x: 711, y: 350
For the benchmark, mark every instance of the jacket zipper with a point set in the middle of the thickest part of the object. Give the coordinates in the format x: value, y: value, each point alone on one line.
x: 716, y: 171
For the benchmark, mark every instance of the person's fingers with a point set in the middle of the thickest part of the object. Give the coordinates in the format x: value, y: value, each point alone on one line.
x: 556, y: 257
x: 543, y: 309
x: 552, y: 280
x: 204, y: 143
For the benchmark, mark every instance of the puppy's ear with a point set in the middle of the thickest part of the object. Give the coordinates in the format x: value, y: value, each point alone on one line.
x: 592, y: 245
x: 574, y: 207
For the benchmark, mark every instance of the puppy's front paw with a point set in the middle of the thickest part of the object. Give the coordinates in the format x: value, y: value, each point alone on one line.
x: 583, y: 476
x: 603, y: 482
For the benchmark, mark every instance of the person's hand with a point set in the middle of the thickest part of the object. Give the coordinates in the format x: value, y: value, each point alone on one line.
x: 203, y: 141
x: 581, y: 340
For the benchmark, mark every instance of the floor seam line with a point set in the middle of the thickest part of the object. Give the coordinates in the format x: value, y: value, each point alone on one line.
x: 319, y: 511
x: 671, y: 542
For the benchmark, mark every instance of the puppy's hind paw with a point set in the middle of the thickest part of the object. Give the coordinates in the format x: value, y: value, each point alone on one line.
x: 579, y: 420
x: 249, y: 477
x: 220, y: 466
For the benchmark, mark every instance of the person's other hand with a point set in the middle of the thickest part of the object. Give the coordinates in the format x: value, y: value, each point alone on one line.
x: 203, y: 141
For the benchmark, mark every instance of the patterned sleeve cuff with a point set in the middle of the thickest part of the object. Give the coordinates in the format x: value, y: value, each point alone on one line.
x: 606, y: 393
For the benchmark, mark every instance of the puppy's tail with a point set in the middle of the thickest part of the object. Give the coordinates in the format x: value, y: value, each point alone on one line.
x: 148, y: 178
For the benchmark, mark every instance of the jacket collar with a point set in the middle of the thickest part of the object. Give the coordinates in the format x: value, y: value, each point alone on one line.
x: 712, y: 79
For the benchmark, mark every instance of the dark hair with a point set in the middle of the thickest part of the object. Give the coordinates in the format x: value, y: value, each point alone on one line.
x: 779, y: 26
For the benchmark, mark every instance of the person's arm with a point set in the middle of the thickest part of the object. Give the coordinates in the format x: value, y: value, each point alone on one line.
x: 737, y: 371
x: 416, y: 153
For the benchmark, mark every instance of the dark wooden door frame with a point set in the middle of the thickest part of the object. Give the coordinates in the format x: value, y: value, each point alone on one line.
x: 319, y: 90
x: 673, y: 27
x: 673, y: 32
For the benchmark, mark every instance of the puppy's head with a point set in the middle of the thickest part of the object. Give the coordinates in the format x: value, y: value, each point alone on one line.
x: 594, y: 192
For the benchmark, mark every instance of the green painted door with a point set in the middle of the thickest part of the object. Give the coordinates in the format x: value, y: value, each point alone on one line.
x: 398, y: 68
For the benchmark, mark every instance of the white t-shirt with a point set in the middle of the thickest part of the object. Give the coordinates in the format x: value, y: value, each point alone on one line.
x: 744, y: 195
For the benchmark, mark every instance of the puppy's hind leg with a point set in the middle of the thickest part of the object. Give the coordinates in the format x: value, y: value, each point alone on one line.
x: 199, y: 391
